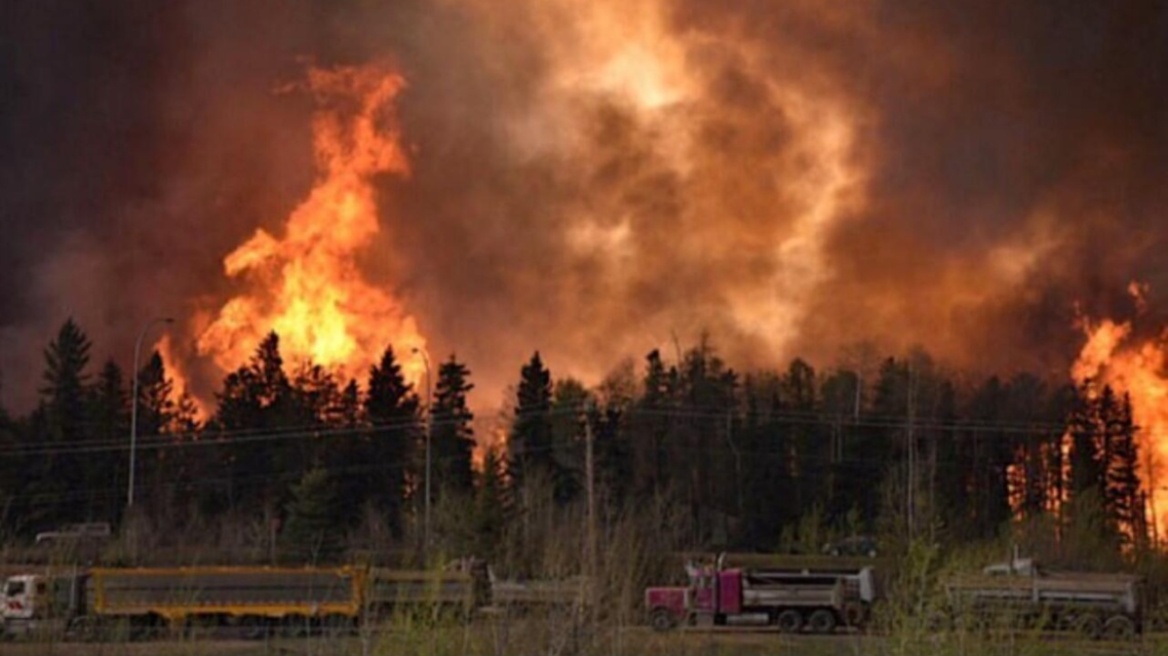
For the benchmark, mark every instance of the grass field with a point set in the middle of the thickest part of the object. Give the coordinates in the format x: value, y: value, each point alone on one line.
x: 536, y: 638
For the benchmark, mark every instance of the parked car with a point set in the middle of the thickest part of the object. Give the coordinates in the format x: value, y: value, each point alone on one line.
x: 857, y: 545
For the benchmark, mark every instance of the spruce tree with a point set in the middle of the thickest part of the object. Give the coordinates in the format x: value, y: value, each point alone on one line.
x: 986, y: 452
x: 451, y: 430
x: 491, y: 505
x: 391, y: 407
x: 613, y: 454
x: 1122, y: 497
x: 156, y: 406
x: 1087, y: 469
x: 254, y: 402
x: 12, y: 476
x: 312, y: 533
x: 349, y: 454
x: 651, y: 425
x: 810, y: 455
x: 64, y: 411
x: 65, y: 380
x: 107, y: 470
x: 531, y: 433
x: 707, y: 416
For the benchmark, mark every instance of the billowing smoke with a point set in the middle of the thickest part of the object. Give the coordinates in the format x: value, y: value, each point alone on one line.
x: 592, y: 178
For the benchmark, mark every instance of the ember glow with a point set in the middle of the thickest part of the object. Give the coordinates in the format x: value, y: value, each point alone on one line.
x: 1138, y: 368
x: 306, y: 285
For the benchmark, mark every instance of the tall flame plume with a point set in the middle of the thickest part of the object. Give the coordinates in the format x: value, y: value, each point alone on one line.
x: 1113, y: 356
x: 307, y: 285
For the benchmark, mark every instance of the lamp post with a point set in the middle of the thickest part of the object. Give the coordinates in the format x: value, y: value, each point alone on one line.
x: 134, y: 405
x: 426, y: 511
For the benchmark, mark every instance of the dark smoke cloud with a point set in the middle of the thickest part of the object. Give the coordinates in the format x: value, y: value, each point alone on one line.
x: 1009, y: 161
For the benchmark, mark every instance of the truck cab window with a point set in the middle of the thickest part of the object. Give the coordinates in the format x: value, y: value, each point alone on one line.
x: 14, y: 588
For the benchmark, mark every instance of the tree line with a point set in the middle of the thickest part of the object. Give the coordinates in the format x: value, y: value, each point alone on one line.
x: 763, y: 460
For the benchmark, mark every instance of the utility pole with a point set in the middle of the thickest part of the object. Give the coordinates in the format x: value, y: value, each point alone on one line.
x: 910, y: 489
x: 429, y: 428
x: 590, y: 474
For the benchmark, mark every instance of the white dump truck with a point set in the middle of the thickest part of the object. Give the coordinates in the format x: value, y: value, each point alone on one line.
x: 1021, y: 593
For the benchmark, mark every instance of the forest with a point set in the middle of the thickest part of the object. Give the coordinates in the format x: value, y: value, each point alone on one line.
x: 294, y: 465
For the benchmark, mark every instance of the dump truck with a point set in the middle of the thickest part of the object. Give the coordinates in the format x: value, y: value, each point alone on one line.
x: 790, y: 599
x: 1021, y: 593
x: 94, y: 603
x: 255, y: 601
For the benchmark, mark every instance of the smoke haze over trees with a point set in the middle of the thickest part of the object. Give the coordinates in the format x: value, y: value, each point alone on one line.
x: 593, y: 178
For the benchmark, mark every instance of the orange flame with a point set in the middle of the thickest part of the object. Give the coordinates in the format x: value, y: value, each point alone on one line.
x: 307, y: 286
x: 1138, y: 369
x: 176, y: 370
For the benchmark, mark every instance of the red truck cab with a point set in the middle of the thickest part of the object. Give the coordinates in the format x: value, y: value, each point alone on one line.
x: 708, y: 592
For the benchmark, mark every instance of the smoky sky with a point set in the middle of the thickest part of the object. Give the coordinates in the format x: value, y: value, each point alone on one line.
x: 1002, y: 168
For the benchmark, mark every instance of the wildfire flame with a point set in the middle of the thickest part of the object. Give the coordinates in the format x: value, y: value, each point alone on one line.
x: 176, y: 370
x: 1111, y: 357
x: 306, y: 285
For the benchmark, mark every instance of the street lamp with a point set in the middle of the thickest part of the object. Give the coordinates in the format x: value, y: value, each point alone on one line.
x: 134, y: 404
x: 426, y: 515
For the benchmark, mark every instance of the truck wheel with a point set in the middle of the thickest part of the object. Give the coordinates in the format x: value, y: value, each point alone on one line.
x: 1119, y: 627
x: 789, y: 621
x: 854, y: 614
x: 1089, y: 626
x: 661, y: 620
x: 821, y: 621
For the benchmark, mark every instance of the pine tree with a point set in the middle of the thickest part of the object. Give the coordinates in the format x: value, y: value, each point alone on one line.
x: 1122, y: 496
x: 347, y: 413
x: 312, y: 534
x: 313, y: 399
x: 569, y: 416
x: 65, y: 380
x: 451, y: 431
x: 1086, y: 434
x: 156, y: 407
x: 349, y: 454
x: 613, y: 454
x: 766, y: 468
x: 531, y: 434
x: 391, y: 406
x: 986, y: 455
x: 651, y: 426
x: 64, y: 419
x: 706, y: 465
x: 491, y: 505
x: 255, y: 400
x: 810, y: 455
x: 107, y: 470
x: 12, y: 476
